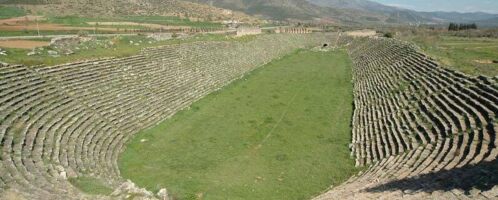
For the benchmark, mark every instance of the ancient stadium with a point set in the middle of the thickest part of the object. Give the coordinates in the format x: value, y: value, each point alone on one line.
x: 247, y: 112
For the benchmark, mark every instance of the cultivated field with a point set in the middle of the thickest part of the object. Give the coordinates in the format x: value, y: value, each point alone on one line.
x: 474, y: 56
x: 13, y: 25
x: 281, y: 132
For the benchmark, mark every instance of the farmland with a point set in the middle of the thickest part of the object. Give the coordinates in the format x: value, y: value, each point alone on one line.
x: 473, y: 56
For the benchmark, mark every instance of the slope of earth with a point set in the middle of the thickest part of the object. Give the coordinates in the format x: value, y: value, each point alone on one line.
x: 281, y: 132
x: 288, y: 10
x: 112, y: 8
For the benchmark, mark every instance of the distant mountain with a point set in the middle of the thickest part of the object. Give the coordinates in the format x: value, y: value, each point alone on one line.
x: 383, y: 14
x: 460, y: 17
x: 402, y: 16
x: 296, y: 10
x: 271, y: 9
x: 363, y: 5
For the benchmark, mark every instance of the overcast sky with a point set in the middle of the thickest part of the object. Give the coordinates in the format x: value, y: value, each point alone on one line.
x: 490, y: 6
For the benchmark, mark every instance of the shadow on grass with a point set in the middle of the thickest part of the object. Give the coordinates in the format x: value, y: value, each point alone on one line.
x: 482, y: 176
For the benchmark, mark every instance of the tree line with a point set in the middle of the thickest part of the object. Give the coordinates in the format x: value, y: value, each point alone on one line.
x: 460, y: 27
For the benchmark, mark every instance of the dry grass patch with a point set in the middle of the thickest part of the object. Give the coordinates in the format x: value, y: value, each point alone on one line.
x: 22, y: 44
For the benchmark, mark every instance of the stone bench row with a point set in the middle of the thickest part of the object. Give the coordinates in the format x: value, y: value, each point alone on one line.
x: 74, y: 119
x: 413, y: 117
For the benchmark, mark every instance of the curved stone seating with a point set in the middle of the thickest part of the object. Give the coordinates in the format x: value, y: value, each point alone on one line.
x: 416, y: 125
x: 59, y: 122
x: 422, y: 130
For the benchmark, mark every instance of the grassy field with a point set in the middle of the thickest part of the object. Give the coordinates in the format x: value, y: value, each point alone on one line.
x: 91, y: 185
x: 281, y: 132
x: 9, y: 12
x: 473, y: 56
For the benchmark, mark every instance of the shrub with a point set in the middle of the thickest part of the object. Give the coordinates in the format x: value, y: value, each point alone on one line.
x: 388, y: 35
x: 82, y: 33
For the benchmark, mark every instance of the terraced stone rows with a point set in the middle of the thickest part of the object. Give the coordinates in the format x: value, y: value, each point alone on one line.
x: 412, y: 118
x: 73, y: 120
x: 15, y: 127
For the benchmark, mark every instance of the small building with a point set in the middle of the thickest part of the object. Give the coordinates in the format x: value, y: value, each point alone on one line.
x: 241, y: 31
x: 231, y: 23
x: 295, y: 30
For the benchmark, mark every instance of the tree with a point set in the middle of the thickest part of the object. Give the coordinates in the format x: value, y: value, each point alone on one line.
x: 461, y: 26
x: 452, y: 27
x: 474, y: 26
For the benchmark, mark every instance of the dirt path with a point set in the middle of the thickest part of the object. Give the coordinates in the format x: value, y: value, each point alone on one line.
x: 361, y: 33
x: 63, y: 35
x: 22, y: 44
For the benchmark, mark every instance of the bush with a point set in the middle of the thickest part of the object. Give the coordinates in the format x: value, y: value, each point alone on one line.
x: 82, y: 33
x: 388, y: 35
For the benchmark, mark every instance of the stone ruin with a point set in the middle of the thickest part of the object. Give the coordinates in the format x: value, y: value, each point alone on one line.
x: 421, y: 131
x: 160, y: 36
x: 295, y: 30
x: 72, y: 120
x: 242, y: 31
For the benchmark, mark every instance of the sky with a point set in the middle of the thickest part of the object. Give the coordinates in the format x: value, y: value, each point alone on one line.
x: 490, y: 6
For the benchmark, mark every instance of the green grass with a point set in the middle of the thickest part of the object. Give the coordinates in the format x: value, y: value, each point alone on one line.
x: 462, y: 53
x: 170, y: 21
x: 281, y: 132
x: 91, y: 185
x: 162, y: 20
x: 71, y: 20
x: 9, y: 12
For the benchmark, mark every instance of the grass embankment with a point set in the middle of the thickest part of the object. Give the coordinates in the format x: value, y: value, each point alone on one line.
x: 9, y: 12
x: 281, y: 132
x: 122, y: 48
x: 91, y: 185
x: 472, y: 56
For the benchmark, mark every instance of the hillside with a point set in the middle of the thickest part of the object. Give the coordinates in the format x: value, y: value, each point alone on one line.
x: 111, y: 8
x: 292, y: 10
x: 345, y: 12
x: 354, y: 5
x: 271, y: 9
